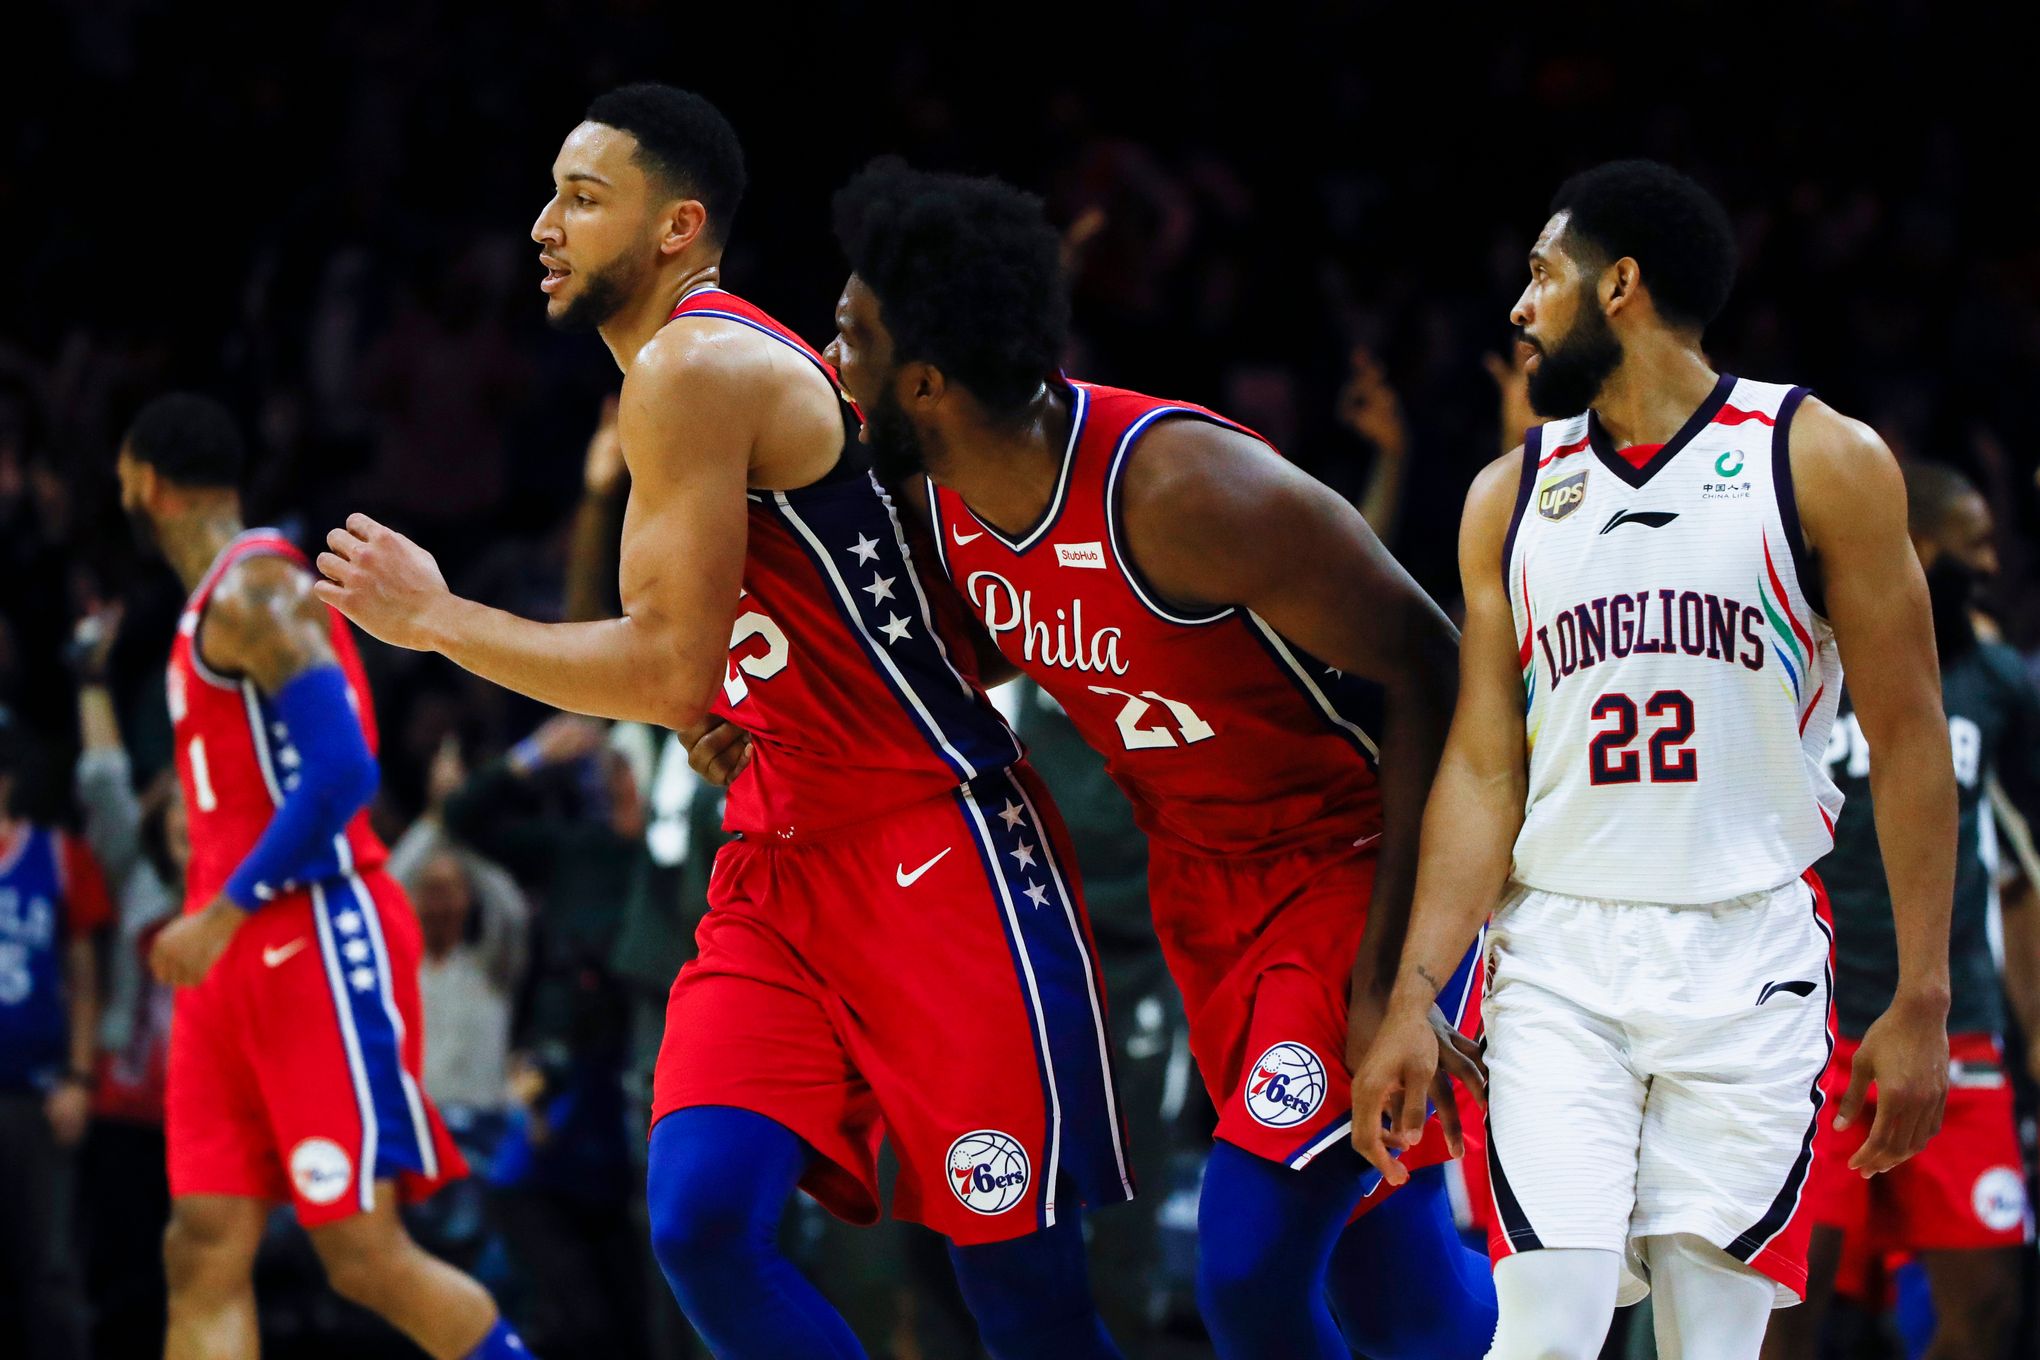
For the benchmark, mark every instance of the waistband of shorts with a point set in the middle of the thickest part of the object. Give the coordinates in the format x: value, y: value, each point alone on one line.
x: 794, y: 838
x: 1518, y: 888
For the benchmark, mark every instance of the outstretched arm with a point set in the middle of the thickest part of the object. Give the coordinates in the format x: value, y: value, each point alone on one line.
x: 1470, y: 826
x: 1852, y: 503
x: 686, y: 418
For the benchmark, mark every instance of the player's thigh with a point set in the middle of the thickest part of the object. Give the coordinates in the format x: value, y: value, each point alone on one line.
x: 1976, y: 1298
x: 750, y: 1026
x: 1565, y: 1112
x: 972, y: 1002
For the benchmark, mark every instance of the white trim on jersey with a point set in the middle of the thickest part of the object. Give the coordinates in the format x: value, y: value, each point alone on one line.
x: 872, y: 644
x: 1080, y: 405
x: 989, y: 848
x: 935, y: 524
x: 421, y: 1128
x: 1331, y: 1138
x: 357, y: 1063
x: 1317, y: 695
x: 1090, y: 980
x: 921, y: 596
x: 1112, y: 474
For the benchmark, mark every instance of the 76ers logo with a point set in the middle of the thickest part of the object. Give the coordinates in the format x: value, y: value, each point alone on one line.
x: 988, y: 1171
x: 1286, y: 1086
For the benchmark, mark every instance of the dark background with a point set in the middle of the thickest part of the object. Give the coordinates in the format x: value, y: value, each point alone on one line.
x: 319, y: 213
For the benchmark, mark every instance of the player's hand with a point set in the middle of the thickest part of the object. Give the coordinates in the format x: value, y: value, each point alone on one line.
x: 1393, y: 1080
x: 69, y: 1109
x: 388, y: 585
x: 718, y: 751
x: 186, y: 949
x: 559, y: 740
x: 1369, y: 407
x: 1906, y: 1053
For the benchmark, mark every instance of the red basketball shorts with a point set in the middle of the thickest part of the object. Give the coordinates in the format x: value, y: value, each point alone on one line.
x: 927, y: 976
x: 294, y: 1065
x: 1262, y: 949
x: 1965, y: 1191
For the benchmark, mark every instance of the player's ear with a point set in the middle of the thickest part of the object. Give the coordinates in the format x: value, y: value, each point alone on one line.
x: 925, y: 385
x: 686, y: 222
x: 1619, y: 284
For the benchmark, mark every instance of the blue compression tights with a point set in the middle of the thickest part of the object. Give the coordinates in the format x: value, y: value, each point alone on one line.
x: 717, y: 1187
x: 1274, y: 1258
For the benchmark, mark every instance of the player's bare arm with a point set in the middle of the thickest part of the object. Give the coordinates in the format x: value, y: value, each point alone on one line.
x: 1470, y: 826
x: 263, y: 622
x: 1215, y: 517
x: 1852, y: 503
x: 692, y: 411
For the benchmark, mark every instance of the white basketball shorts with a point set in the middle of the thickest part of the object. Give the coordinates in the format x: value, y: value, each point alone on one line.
x: 1656, y: 1069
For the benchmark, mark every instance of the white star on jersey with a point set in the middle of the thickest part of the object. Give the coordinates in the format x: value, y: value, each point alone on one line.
x: 356, y: 951
x: 347, y: 922
x: 1024, y: 855
x: 1037, y: 894
x: 361, y: 979
x: 1011, y: 815
x: 880, y: 587
x: 865, y: 549
x: 895, y: 629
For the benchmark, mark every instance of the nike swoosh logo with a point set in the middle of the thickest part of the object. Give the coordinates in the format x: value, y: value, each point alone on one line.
x: 963, y: 539
x: 1649, y: 519
x: 274, y: 956
x: 907, y: 880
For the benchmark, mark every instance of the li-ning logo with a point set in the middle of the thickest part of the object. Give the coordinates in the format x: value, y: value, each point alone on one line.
x: 1556, y: 500
x: 1080, y: 555
x: 1798, y: 987
x: 988, y: 1170
x: 1649, y: 519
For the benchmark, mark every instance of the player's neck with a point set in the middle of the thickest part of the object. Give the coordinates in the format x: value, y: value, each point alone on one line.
x: 1007, y: 474
x: 632, y: 329
x: 194, y: 539
x: 1660, y: 383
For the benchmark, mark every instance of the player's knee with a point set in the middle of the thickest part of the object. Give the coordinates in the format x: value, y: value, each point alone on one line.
x: 202, y: 1248
x: 1983, y: 1325
x: 697, y: 1225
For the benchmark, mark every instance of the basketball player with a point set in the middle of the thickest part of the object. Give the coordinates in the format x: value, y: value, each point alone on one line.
x: 895, y: 945
x: 296, y: 1045
x: 1960, y: 1205
x: 1660, y: 586
x: 1223, y: 629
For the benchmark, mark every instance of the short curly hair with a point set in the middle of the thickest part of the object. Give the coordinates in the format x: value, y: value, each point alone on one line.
x: 1677, y: 232
x: 190, y: 439
x: 968, y: 275
x: 683, y: 141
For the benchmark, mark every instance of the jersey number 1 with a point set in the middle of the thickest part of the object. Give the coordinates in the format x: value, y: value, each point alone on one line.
x: 1609, y: 757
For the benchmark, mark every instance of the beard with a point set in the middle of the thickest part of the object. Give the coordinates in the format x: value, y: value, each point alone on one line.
x: 1571, y: 373
x: 897, y: 452
x: 604, y: 293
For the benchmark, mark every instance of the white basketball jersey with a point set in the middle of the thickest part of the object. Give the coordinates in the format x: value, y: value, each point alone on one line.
x: 1679, y: 681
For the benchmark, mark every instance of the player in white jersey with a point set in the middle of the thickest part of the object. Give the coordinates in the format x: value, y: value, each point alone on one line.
x: 1660, y: 590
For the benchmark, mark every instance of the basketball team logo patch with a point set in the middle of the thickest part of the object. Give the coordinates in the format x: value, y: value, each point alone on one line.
x: 1286, y: 1086
x: 988, y: 1171
x: 321, y: 1170
x: 1556, y: 500
x: 1999, y: 1199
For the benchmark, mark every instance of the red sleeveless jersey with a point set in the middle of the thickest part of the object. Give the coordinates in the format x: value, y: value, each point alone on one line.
x: 1227, y: 738
x: 855, y: 683
x: 235, y: 758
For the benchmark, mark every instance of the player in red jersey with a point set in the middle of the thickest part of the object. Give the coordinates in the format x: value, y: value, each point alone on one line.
x: 1223, y: 628
x: 297, y: 1041
x: 895, y: 944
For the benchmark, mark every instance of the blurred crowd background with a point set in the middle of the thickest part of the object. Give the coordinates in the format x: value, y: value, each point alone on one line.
x: 1313, y: 219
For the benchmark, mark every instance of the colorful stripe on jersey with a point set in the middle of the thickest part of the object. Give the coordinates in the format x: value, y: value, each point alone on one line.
x: 1789, y: 640
x: 395, y: 1133
x: 1061, y: 981
x: 846, y: 537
